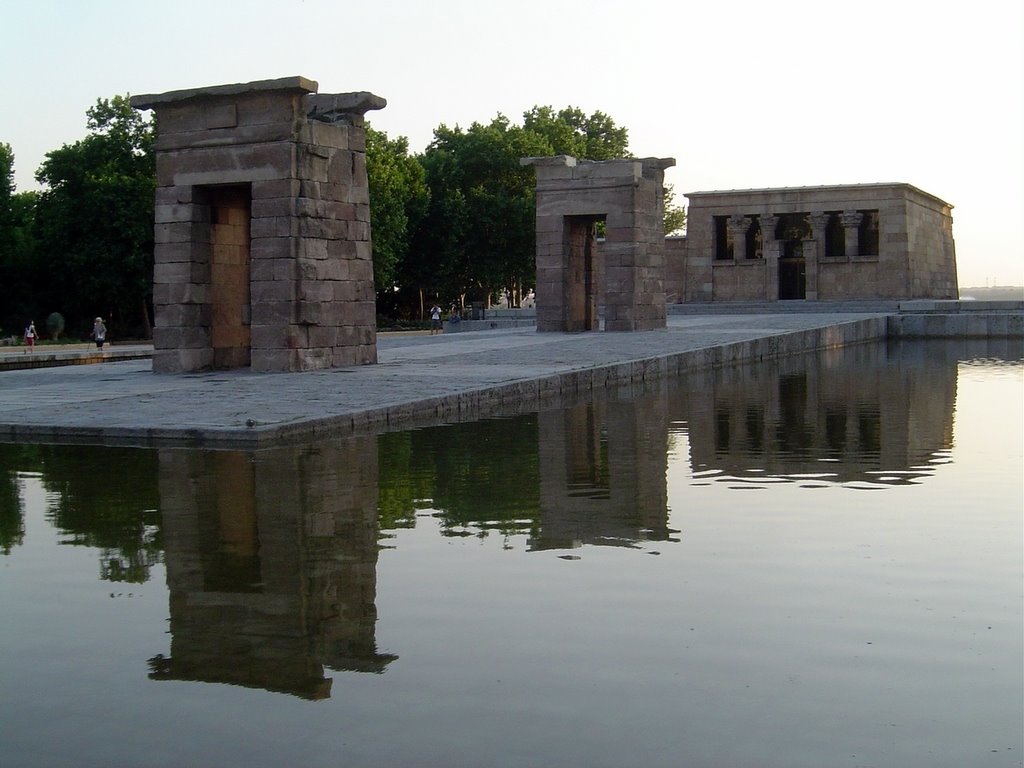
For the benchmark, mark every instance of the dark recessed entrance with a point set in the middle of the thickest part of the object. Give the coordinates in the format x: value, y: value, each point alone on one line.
x: 230, y: 316
x: 792, y: 230
x: 581, y: 285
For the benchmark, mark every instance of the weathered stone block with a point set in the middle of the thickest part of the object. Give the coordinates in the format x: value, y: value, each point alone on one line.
x: 273, y: 188
x: 267, y: 248
x: 276, y: 290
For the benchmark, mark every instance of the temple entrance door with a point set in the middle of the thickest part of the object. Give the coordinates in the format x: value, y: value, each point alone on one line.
x: 792, y: 272
x: 229, y: 276
x: 581, y: 273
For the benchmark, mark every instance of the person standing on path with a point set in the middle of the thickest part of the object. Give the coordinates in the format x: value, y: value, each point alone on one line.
x: 435, y: 319
x: 99, y: 332
x: 30, y: 335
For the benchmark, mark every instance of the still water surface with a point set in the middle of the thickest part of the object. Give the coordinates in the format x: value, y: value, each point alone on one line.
x: 813, y: 562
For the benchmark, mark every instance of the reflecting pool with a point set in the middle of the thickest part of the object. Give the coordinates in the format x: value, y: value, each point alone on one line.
x: 812, y: 562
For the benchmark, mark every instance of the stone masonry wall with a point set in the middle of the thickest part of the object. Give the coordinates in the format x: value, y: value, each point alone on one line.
x: 628, y: 196
x: 300, y: 158
x: 914, y: 258
x: 675, y: 269
x: 931, y: 248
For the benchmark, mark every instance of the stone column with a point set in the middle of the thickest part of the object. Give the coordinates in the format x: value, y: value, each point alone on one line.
x: 819, y: 224
x: 770, y: 249
x: 737, y: 226
x: 814, y: 250
x: 851, y: 226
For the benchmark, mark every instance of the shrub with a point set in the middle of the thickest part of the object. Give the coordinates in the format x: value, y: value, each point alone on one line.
x: 55, y: 325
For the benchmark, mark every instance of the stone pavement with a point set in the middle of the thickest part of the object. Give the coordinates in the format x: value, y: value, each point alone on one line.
x: 419, y: 380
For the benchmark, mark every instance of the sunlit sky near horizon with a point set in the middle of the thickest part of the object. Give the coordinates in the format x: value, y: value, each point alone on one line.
x: 742, y: 94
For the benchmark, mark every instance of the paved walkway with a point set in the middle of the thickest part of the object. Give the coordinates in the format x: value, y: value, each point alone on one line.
x: 125, y: 402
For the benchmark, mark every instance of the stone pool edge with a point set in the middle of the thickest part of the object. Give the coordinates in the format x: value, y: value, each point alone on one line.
x: 511, y: 398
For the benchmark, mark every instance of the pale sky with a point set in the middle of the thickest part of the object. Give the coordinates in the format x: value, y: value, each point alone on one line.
x: 742, y: 93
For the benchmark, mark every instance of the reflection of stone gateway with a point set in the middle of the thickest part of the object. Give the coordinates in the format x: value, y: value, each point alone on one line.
x: 262, y: 232
x: 271, y: 565
x: 602, y: 474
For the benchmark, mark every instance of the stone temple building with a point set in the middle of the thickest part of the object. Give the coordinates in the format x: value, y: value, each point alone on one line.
x: 828, y: 243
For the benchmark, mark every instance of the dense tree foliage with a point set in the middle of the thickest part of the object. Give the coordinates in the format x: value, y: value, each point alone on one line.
x: 18, y: 271
x: 571, y: 132
x: 94, y: 221
x: 477, y: 236
x: 398, y: 202
x: 477, y: 239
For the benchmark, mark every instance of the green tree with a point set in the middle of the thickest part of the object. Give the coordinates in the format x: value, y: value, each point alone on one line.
x: 478, y: 234
x: 95, y: 220
x: 19, y: 274
x: 6, y: 184
x: 571, y: 131
x: 398, y: 201
x: 675, y: 215
x: 477, y: 237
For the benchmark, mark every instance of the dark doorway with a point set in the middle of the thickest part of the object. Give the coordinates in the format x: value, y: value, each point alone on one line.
x: 792, y: 278
x: 581, y: 274
x: 230, y: 209
x: 791, y: 231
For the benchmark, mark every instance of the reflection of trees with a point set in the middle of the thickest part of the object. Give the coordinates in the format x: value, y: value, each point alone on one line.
x: 588, y: 474
x: 482, y: 473
x: 106, y: 498
x: 14, y: 459
x: 99, y: 497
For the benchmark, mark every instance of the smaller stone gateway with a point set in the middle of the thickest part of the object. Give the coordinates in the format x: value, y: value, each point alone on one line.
x: 262, y: 228
x: 575, y: 274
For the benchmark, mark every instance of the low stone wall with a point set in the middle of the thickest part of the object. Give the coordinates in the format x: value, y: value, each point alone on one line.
x: 958, y: 319
x: 495, y: 318
x: 41, y: 358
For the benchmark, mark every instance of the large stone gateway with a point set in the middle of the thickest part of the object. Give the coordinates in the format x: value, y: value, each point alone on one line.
x: 262, y: 228
x: 576, y: 275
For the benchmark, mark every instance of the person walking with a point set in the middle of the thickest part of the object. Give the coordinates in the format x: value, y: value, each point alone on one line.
x: 99, y: 332
x: 31, y: 335
x: 435, y: 319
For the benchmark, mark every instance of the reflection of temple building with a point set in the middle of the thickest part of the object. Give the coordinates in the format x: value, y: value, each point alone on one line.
x: 271, y: 565
x: 602, y: 474
x: 858, y: 414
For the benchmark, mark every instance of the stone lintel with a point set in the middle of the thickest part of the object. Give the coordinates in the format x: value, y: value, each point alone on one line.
x: 329, y: 106
x: 659, y: 163
x: 563, y: 161
x: 624, y: 169
x: 152, y: 100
